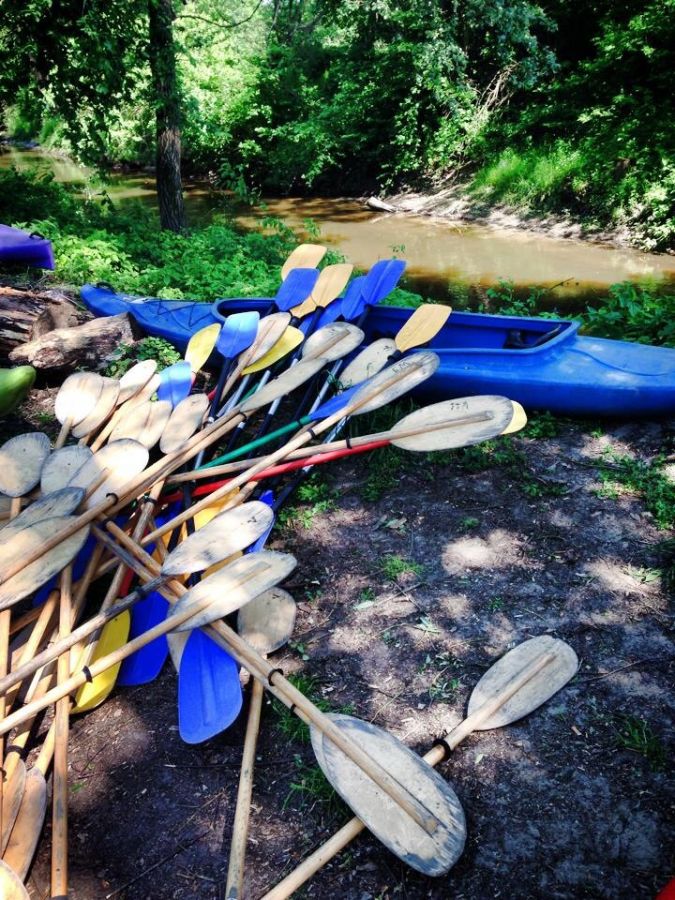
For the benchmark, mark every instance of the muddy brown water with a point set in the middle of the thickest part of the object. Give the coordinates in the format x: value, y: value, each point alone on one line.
x: 445, y: 260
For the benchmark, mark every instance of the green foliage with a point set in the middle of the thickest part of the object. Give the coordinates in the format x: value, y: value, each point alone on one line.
x: 393, y: 565
x: 293, y: 728
x: 541, y: 425
x: 632, y: 313
x: 636, y: 734
x: 127, y: 355
x: 544, y: 178
x: 646, y: 479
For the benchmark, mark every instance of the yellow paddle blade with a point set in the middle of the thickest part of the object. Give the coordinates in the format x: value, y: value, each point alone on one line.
x: 113, y: 636
x: 422, y: 326
x: 305, y: 256
x: 289, y: 340
x: 331, y: 282
x: 305, y: 308
x: 201, y: 344
x: 519, y: 419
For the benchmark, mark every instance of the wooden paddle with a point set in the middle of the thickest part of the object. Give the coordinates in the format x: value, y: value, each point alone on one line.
x: 59, y: 869
x: 330, y: 284
x: 305, y: 256
x: 76, y: 399
x: 183, y: 422
x: 105, y: 404
x: 135, y: 379
x: 516, y: 685
x: 144, y: 423
x: 11, y: 887
x: 147, y: 392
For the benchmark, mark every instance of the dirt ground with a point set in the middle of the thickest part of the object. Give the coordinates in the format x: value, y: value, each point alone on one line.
x: 404, y: 601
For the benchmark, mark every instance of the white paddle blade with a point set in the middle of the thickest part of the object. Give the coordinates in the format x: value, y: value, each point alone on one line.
x: 542, y: 686
x: 62, y: 466
x: 60, y: 503
x: 144, y: 423
x: 270, y: 330
x: 77, y: 397
x: 371, y: 360
x: 21, y: 461
x: 224, y: 535
x: 518, y: 420
x: 27, y: 541
x: 267, y: 622
x: 104, y: 406
x: 453, y: 423
x: 431, y: 854
x: 183, y: 422
x: 135, y: 379
x: 11, y: 886
x: 286, y: 382
x: 12, y: 794
x: 116, y: 463
x: 24, y: 836
x: 230, y: 588
x: 332, y: 341
x: 393, y: 382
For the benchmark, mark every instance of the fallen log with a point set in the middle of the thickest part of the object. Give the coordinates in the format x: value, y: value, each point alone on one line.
x: 380, y: 205
x: 26, y: 315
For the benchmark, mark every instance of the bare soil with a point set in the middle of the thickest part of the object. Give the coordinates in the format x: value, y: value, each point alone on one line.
x: 557, y: 805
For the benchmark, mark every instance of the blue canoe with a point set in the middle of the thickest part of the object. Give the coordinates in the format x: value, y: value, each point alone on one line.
x: 542, y: 363
x: 25, y: 249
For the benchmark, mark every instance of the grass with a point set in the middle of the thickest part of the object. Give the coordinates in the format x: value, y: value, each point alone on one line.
x: 635, y: 734
x: 647, y: 480
x: 288, y: 723
x: 539, y: 177
x: 393, y: 565
x: 310, y: 788
x: 384, y: 470
x: 317, y: 497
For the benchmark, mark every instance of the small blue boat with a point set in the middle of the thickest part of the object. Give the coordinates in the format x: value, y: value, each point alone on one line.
x: 542, y: 363
x: 25, y: 249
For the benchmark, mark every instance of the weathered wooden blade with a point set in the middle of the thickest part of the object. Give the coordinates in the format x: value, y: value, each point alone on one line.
x: 11, y: 886
x: 267, y: 622
x: 286, y: 382
x: 332, y: 341
x: 305, y: 256
x: 21, y: 461
x: 113, y: 636
x: 233, y: 586
x: 12, y: 795
x: 135, y: 379
x: 183, y: 422
x: 289, y: 340
x: 62, y: 466
x: 538, y: 690
x: 393, y: 382
x: 144, y: 423
x: 37, y: 573
x: 105, y: 404
x: 26, y: 831
x: 422, y: 326
x: 77, y: 397
x: 453, y: 423
x: 519, y: 419
x: 119, y: 460
x: 369, y: 362
x: 58, y: 503
x: 224, y: 535
x: 431, y: 854
x: 270, y: 330
x: 201, y: 344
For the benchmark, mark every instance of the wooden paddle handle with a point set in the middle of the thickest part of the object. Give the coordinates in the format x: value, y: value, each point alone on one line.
x: 60, y: 787
x: 235, y: 871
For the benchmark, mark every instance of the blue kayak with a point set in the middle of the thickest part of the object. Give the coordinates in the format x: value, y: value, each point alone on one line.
x: 25, y: 249
x: 542, y: 363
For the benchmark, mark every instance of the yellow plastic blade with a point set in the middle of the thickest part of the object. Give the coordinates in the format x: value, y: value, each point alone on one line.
x: 201, y: 344
x: 423, y: 325
x: 304, y: 309
x: 519, y: 419
x: 113, y: 636
x: 289, y: 340
x: 331, y: 282
x: 305, y: 256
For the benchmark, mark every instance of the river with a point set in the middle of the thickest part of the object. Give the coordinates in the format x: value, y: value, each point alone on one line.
x: 444, y: 258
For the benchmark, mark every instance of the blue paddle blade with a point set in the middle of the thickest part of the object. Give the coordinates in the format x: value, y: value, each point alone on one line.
x: 382, y: 279
x: 353, y: 303
x: 175, y: 382
x: 237, y: 333
x: 209, y: 692
x: 296, y: 288
x: 330, y: 313
x: 268, y: 498
x: 145, y: 664
x: 334, y: 405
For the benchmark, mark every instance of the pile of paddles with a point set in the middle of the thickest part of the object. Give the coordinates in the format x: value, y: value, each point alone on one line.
x: 127, y: 493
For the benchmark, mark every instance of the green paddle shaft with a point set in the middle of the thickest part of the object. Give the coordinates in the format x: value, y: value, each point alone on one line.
x: 258, y: 442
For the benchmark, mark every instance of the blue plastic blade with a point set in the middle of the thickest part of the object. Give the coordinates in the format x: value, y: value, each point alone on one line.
x: 382, y: 279
x: 145, y: 664
x: 296, y: 288
x: 353, y: 303
x: 209, y: 692
x: 268, y: 498
x: 237, y: 333
x: 334, y: 405
x: 175, y: 382
x: 330, y: 313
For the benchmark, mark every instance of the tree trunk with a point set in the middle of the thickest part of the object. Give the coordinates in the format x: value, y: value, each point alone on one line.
x: 167, y: 112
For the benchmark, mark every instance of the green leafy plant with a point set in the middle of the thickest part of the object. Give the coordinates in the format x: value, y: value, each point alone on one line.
x: 127, y: 355
x: 646, y: 479
x: 393, y: 565
x: 636, y: 734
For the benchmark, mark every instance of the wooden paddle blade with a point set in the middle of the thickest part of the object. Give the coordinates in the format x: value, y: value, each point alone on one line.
x: 183, y: 422
x: 270, y: 331
x: 289, y: 340
x: 232, y: 587
x: 114, y: 635
x: 201, y: 345
x: 331, y: 282
x: 27, y: 828
x: 267, y: 622
x: 332, y: 341
x: 423, y: 325
x: 135, y: 379
x: 58, y: 503
x: 105, y: 404
x: 209, y: 690
x: 453, y: 423
x: 12, y: 795
x: 144, y: 423
x: 62, y: 466
x: 77, y: 397
x: 371, y: 360
x: 305, y: 256
x: 286, y: 382
x: 536, y: 691
x: 221, y: 537
x: 11, y: 886
x: 177, y: 641
x: 21, y: 461
x: 431, y: 854
x: 119, y: 460
x: 393, y: 382
x: 37, y: 573
x: 518, y: 421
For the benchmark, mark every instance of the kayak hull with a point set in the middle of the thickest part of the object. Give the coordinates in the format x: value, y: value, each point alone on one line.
x: 541, y: 363
x: 21, y: 248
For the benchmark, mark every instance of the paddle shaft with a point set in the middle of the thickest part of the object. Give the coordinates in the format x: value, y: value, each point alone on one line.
x: 5, y: 622
x: 59, y: 873
x: 436, y: 755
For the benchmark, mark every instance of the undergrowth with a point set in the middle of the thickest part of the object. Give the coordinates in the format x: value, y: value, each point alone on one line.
x: 647, y: 480
x: 127, y: 355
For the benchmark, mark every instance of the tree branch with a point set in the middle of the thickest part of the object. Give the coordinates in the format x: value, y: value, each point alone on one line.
x: 221, y: 24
